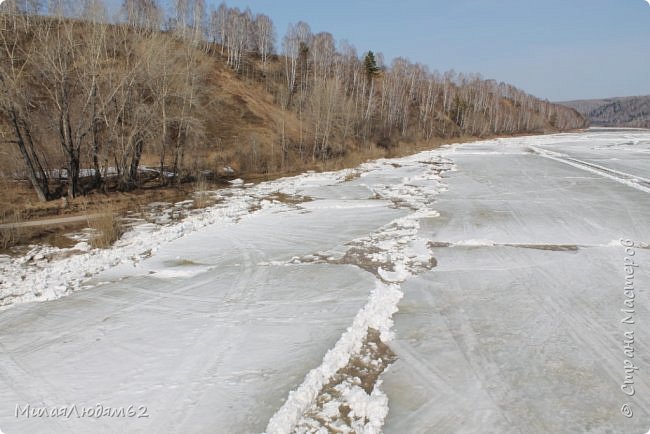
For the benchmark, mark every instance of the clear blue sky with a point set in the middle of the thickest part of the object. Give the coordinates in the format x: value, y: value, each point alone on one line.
x: 555, y: 49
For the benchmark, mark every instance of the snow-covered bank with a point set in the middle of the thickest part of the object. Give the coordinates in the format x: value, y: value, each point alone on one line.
x: 47, y: 273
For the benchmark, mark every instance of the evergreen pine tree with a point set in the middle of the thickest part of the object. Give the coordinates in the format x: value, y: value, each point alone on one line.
x: 370, y: 64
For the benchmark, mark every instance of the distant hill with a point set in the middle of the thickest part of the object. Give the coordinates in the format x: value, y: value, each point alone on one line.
x: 632, y: 111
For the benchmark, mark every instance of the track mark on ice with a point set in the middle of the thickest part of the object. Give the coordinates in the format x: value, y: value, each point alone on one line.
x: 636, y: 182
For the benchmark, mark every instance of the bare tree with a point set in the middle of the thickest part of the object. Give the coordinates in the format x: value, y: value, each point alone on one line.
x: 25, y: 7
x: 94, y: 11
x: 264, y: 36
x: 237, y: 33
x: 15, y: 98
x: 58, y: 73
x: 218, y: 29
x: 185, y: 129
x: 198, y: 18
x: 142, y: 14
x: 181, y: 11
x: 322, y: 54
x: 295, y: 44
x: 60, y: 8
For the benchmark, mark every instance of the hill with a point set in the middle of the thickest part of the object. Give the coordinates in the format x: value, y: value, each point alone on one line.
x: 632, y: 111
x: 157, y: 100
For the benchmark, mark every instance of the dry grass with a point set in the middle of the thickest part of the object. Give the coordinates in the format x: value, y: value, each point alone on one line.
x: 10, y: 236
x: 21, y: 205
x: 108, y: 228
x: 202, y: 197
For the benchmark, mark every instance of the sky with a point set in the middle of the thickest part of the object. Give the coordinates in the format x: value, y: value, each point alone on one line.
x: 555, y: 49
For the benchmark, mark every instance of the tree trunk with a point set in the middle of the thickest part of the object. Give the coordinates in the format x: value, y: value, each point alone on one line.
x: 35, y: 172
x: 135, y: 162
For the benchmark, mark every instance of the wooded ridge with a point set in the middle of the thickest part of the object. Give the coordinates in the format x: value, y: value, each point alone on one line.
x: 631, y: 111
x: 87, y: 104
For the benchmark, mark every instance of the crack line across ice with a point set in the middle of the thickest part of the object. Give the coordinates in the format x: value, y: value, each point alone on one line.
x: 376, y: 314
x: 398, y: 253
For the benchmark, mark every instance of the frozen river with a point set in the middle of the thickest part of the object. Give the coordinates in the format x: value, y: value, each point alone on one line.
x: 495, y: 271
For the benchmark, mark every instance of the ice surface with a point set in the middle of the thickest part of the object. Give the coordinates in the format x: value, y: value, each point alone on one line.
x: 506, y: 267
x: 518, y: 329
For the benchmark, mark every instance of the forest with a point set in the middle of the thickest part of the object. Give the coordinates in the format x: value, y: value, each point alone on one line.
x: 631, y: 111
x: 92, y: 102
